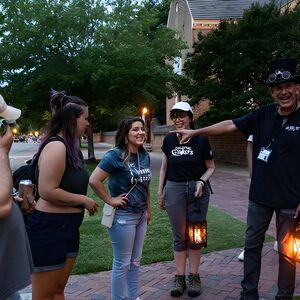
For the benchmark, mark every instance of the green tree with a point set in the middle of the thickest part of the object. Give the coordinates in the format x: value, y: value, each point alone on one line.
x: 135, y: 49
x: 113, y: 58
x: 110, y: 58
x: 230, y: 64
x: 41, y: 46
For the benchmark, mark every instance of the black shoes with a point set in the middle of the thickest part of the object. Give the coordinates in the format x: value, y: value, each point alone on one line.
x: 194, y: 288
x: 194, y: 285
x: 179, y: 286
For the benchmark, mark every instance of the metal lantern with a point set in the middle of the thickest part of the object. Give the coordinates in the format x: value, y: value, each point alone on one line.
x: 197, y: 234
x: 296, y: 241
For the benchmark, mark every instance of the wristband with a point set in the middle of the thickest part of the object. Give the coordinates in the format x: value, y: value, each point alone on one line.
x: 203, y: 181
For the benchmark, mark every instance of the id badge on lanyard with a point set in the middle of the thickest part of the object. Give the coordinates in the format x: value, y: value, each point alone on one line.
x: 264, y: 154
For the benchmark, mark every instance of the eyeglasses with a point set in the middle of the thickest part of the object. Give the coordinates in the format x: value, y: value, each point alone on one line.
x: 3, y: 123
x: 178, y: 115
x: 283, y: 74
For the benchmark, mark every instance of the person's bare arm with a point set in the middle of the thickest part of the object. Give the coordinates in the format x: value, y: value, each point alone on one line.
x: 96, y: 182
x: 162, y: 176
x: 215, y: 129
x: 249, y: 157
x: 6, y: 183
x: 52, y: 164
x: 210, y: 165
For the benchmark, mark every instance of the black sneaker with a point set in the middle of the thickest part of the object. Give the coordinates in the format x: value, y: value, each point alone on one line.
x: 194, y: 288
x: 179, y: 286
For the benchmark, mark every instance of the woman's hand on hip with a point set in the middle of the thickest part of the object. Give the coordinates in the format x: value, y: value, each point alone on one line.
x: 120, y: 200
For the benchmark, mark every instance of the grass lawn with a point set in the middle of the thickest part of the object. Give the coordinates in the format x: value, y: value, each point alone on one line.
x: 224, y: 232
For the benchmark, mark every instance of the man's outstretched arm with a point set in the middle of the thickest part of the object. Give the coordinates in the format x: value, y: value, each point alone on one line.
x: 215, y: 129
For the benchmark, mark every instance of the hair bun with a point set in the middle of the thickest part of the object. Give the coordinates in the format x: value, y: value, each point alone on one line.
x: 57, y: 98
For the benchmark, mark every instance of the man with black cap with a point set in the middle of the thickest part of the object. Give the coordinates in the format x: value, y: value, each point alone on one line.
x: 15, y: 256
x: 275, y: 178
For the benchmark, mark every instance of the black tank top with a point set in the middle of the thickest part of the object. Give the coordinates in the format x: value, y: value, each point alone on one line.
x: 74, y: 180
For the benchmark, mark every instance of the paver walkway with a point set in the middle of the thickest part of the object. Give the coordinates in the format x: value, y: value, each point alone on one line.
x: 221, y: 272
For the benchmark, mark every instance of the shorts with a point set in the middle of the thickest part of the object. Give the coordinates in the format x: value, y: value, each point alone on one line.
x: 53, y: 237
x: 181, y: 204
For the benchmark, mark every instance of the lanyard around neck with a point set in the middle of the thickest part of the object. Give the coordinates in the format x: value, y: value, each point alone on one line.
x: 285, y: 122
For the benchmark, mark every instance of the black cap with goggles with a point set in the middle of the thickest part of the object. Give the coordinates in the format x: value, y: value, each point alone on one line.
x: 282, y: 70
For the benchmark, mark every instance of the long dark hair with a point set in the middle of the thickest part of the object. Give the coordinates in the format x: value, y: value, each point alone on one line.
x: 121, y: 140
x: 65, y: 110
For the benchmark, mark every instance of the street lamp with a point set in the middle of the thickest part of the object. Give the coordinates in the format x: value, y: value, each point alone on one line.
x: 146, y: 117
x: 144, y: 112
x: 15, y: 131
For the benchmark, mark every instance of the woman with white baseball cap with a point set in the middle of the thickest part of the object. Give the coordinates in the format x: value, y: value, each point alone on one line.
x: 184, y: 193
x: 15, y: 256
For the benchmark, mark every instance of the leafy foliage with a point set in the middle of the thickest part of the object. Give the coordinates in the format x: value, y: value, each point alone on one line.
x: 229, y: 64
x: 112, y: 56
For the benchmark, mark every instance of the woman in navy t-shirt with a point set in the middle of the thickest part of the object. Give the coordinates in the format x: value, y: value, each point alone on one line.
x: 127, y: 167
x: 184, y: 193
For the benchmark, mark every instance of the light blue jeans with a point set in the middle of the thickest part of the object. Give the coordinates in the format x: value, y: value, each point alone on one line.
x: 127, y: 235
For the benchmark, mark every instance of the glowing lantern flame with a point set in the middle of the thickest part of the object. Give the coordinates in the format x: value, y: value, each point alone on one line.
x: 197, y: 234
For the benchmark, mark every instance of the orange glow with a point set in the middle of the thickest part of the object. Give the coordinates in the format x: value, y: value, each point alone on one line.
x: 297, y: 249
x: 197, y: 233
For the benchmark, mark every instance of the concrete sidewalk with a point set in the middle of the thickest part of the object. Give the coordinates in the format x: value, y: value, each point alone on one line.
x: 220, y: 272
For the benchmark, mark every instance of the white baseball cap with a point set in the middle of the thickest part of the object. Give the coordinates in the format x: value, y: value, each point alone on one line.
x: 182, y: 106
x: 8, y: 112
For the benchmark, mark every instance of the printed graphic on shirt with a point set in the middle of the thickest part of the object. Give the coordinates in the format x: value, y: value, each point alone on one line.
x: 142, y: 175
x: 292, y: 128
x: 182, y: 150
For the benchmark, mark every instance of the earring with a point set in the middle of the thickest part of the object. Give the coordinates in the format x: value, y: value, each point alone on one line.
x: 126, y: 140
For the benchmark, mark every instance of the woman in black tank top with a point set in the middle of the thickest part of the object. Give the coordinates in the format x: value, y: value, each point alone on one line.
x: 53, y: 228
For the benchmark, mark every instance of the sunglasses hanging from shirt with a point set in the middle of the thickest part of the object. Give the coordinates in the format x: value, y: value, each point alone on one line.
x: 265, y: 152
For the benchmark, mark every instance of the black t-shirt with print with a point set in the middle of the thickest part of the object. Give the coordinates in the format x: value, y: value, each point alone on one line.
x: 277, y: 182
x: 186, y: 162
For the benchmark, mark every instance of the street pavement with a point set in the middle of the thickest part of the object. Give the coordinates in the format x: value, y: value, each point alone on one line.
x: 220, y: 272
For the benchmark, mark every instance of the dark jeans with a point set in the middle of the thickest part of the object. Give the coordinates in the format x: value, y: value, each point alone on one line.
x: 258, y: 220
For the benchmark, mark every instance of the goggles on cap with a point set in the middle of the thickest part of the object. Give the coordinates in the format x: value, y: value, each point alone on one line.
x: 283, y: 74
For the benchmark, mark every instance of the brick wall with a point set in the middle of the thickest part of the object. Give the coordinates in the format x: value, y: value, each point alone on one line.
x: 229, y: 148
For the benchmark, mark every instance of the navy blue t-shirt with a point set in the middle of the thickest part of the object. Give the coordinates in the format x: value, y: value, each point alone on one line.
x: 277, y: 182
x: 122, y: 177
x: 186, y: 162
